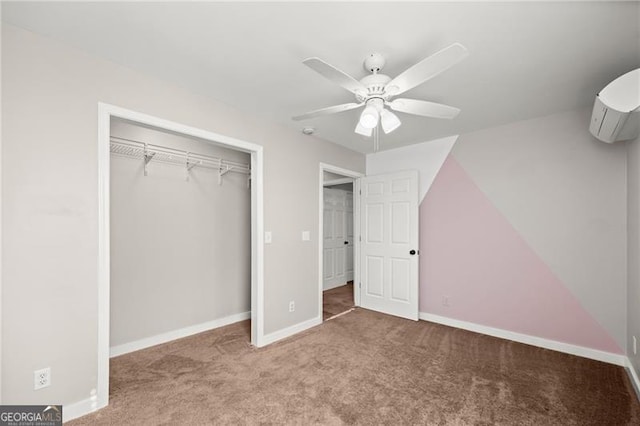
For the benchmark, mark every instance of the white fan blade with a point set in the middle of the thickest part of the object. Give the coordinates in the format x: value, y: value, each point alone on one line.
x: 364, y: 131
x: 427, y: 68
x: 327, y: 111
x: 424, y: 108
x: 334, y: 74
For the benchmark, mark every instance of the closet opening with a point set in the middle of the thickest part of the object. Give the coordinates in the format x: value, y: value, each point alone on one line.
x: 180, y: 237
x: 338, y: 249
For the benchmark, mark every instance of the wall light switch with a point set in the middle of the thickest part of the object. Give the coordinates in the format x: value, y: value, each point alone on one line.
x: 267, y: 237
x: 306, y: 236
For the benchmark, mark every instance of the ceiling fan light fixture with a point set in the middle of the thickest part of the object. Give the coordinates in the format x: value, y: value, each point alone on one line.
x: 389, y: 121
x: 369, y: 117
x: 361, y: 130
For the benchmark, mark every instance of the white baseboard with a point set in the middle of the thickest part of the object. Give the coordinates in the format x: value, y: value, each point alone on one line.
x: 290, y: 331
x: 176, y: 334
x: 596, y: 354
x: 635, y: 380
x: 79, y: 409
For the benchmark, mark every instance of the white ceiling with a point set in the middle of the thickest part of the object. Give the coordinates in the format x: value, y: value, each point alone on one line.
x: 526, y: 59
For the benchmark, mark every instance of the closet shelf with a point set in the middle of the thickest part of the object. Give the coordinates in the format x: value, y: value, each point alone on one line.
x: 151, y: 153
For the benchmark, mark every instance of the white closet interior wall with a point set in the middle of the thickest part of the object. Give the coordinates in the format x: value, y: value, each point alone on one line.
x: 180, y: 249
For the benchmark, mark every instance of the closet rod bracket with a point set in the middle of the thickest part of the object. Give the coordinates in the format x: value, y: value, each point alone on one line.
x: 223, y: 171
x: 147, y: 158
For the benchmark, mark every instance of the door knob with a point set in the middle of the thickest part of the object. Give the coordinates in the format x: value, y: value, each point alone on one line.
x: 412, y: 252
x: 346, y: 242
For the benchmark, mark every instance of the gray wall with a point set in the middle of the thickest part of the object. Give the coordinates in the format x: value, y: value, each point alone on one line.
x: 633, y: 247
x: 342, y: 186
x: 180, y: 250
x: 328, y: 176
x: 50, y: 206
x: 564, y: 192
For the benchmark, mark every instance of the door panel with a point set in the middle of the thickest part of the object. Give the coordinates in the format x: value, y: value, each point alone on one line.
x: 338, y: 237
x: 374, y: 220
x: 400, y: 275
x: 389, y: 282
x: 328, y: 264
x: 373, y: 273
x: 400, y: 222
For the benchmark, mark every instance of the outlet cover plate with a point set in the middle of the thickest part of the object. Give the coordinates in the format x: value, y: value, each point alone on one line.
x: 41, y: 378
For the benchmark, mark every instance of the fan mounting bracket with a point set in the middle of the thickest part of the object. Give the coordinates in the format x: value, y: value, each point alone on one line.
x: 374, y: 62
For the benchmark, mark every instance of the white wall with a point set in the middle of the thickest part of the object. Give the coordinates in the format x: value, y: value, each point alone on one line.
x: 633, y: 247
x: 50, y: 198
x: 426, y: 158
x: 180, y: 250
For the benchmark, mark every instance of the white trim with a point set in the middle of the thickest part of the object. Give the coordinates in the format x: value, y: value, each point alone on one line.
x: 105, y: 112
x: 635, y: 380
x: 340, y: 181
x: 554, y: 345
x: 1, y: 213
x: 79, y: 409
x: 104, y: 259
x: 341, y: 314
x: 356, y: 236
x: 257, y: 247
x: 158, y: 339
x: 290, y: 331
x: 356, y: 228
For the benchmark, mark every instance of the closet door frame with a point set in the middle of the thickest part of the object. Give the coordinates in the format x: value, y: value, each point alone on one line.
x: 106, y: 112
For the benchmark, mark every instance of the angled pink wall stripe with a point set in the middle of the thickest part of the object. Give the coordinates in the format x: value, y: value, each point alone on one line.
x: 471, y: 254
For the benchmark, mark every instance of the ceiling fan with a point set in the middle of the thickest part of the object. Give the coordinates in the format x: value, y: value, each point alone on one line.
x: 375, y: 91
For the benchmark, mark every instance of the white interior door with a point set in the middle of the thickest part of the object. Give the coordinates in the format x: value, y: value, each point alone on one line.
x: 389, y: 246
x: 335, y: 237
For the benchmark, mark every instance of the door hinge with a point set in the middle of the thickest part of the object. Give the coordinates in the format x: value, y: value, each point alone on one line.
x: 359, y: 237
x: 360, y: 190
x: 359, y: 285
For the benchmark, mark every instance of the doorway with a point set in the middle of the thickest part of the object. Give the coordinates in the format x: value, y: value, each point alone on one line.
x: 338, y: 244
x: 105, y: 115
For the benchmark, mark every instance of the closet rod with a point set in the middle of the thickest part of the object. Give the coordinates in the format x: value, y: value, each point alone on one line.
x: 150, y: 152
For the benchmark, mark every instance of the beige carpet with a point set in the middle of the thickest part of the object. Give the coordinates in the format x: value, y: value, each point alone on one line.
x: 337, y: 300
x: 363, y: 368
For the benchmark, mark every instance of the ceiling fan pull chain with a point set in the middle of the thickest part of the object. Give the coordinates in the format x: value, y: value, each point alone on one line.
x: 376, y: 139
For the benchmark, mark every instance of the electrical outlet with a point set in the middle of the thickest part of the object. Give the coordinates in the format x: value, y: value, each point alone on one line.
x: 41, y: 378
x: 635, y: 346
x: 445, y: 301
x: 292, y: 306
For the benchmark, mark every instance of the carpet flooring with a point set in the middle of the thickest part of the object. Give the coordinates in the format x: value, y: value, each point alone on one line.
x: 337, y: 300
x: 363, y: 368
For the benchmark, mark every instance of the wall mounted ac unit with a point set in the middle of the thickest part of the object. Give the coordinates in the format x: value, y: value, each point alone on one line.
x: 616, y: 112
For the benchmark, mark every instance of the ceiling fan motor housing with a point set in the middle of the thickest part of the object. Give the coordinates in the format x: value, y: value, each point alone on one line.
x: 375, y: 84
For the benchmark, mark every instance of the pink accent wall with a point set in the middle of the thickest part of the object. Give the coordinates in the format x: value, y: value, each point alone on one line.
x: 471, y: 254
